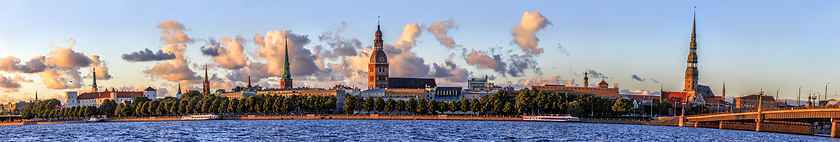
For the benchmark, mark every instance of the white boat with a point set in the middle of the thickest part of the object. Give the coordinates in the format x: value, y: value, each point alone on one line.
x: 93, y: 119
x: 551, y: 117
x: 201, y: 117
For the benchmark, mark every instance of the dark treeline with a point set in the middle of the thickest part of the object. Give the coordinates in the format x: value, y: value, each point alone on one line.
x: 499, y: 103
x: 526, y: 102
x: 190, y: 103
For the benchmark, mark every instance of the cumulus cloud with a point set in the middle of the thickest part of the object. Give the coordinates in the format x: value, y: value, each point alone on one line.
x: 518, y: 65
x: 639, y: 92
x: 66, y: 57
x: 230, y: 56
x: 101, y: 68
x: 336, y: 46
x: 450, y: 72
x: 525, y: 34
x: 176, y: 70
x: 11, y: 84
x: 148, y: 55
x: 61, y: 78
x: 272, y: 48
x: 402, y: 61
x: 570, y: 82
x: 538, y: 81
x: 440, y: 30
x: 171, y: 25
x: 12, y: 64
x: 482, y: 60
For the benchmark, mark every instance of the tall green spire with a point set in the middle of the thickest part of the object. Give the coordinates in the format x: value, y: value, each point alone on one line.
x: 94, y: 81
x: 286, y: 73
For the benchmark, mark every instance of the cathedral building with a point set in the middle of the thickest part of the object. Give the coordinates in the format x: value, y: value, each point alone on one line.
x: 378, y: 66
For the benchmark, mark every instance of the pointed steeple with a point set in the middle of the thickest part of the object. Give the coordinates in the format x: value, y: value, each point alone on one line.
x: 286, y: 79
x: 691, y: 72
x: 36, y: 95
x: 93, y: 87
x: 206, y: 88
x: 249, y: 81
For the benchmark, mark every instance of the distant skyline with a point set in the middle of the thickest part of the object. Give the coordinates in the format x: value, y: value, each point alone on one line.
x: 750, y: 45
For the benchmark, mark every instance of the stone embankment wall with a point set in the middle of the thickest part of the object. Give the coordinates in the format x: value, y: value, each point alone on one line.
x: 374, y: 116
x: 767, y: 126
x: 130, y: 119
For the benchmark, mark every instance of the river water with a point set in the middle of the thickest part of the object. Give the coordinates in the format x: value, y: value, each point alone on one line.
x: 378, y: 130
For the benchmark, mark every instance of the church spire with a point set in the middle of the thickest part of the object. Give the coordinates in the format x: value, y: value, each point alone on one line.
x: 93, y: 87
x: 286, y: 79
x: 249, y: 81
x: 206, y: 81
x: 691, y: 72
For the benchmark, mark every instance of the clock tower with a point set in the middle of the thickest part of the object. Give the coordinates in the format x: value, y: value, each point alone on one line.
x: 378, y: 66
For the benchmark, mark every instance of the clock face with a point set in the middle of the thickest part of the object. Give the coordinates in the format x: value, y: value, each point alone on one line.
x: 382, y: 59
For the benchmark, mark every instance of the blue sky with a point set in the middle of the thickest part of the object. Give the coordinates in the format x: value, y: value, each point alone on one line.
x: 750, y: 45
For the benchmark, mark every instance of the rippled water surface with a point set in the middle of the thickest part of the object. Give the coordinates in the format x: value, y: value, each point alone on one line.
x: 378, y: 130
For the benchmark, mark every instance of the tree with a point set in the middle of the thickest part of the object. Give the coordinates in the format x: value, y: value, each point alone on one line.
x: 139, y: 99
x: 422, y: 106
x: 509, y: 108
x: 465, y: 105
x: 622, y: 106
x: 454, y: 106
x: 223, y: 107
x: 411, y: 105
x: 431, y: 106
x: 129, y: 110
x: 400, y: 106
x: 575, y: 108
x: 475, y: 106
x: 349, y: 104
x: 152, y: 108
x: 190, y: 94
x: 662, y: 105
x: 119, y: 110
x: 233, y: 105
x: 369, y: 104
x: 379, y: 104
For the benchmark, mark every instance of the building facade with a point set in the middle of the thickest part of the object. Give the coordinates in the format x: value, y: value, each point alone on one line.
x: 602, y: 90
x: 752, y: 102
x: 72, y: 98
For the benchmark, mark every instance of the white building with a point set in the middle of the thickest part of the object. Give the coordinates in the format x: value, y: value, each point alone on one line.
x: 96, y: 98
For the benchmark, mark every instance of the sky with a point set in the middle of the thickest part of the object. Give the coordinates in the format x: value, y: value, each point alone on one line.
x: 51, y: 47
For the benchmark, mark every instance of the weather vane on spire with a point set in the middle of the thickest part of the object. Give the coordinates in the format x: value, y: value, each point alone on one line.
x: 377, y: 19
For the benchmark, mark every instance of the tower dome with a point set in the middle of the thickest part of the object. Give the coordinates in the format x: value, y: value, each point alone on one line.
x: 378, y: 56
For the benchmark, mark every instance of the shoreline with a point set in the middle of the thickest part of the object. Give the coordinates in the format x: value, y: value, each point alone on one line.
x: 345, y: 116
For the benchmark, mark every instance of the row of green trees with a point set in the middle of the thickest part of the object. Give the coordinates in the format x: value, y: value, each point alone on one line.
x: 526, y: 102
x: 191, y: 104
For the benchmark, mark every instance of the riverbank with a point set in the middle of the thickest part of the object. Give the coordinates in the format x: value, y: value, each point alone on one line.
x: 352, y: 116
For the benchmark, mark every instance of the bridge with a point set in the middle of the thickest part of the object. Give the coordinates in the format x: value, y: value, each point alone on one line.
x: 782, y: 120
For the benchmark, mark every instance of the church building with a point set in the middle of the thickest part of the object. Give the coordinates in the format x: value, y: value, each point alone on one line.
x: 693, y: 93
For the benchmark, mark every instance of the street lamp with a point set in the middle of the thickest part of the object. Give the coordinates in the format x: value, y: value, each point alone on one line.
x: 825, y: 96
x: 798, y: 96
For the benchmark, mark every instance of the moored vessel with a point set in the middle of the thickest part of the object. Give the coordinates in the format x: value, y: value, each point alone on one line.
x: 201, y: 117
x: 551, y: 117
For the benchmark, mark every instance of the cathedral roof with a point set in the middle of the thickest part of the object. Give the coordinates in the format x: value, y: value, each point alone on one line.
x: 603, y: 82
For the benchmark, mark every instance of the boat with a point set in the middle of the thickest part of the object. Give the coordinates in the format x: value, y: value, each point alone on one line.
x: 94, y: 119
x: 551, y: 117
x: 201, y: 117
